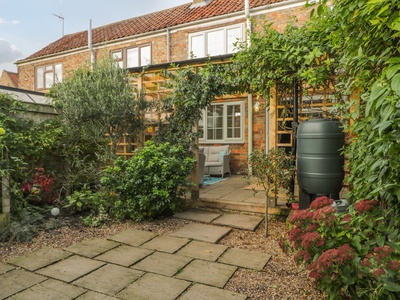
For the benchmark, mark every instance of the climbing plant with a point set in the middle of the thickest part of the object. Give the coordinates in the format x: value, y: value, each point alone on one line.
x: 193, y: 89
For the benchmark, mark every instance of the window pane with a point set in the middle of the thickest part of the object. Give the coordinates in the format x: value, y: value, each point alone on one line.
x: 39, y: 78
x: 233, y: 121
x: 197, y: 46
x: 145, y: 56
x: 49, y: 79
x: 215, y: 43
x: 58, y: 71
x: 232, y: 35
x: 132, y: 58
x: 117, y: 55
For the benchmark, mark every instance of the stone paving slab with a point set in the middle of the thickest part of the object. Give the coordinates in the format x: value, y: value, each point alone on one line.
x: 17, y: 280
x: 202, y: 232
x: 245, y: 259
x: 93, y: 247
x: 71, y: 268
x: 50, y: 289
x: 197, y: 215
x: 154, y: 287
x: 205, y: 292
x: 124, y: 255
x: 90, y: 295
x: 133, y: 237
x: 39, y: 259
x: 5, y: 268
x: 109, y: 279
x: 203, y: 250
x: 162, y: 263
x: 206, y: 272
x: 168, y: 244
x: 245, y: 222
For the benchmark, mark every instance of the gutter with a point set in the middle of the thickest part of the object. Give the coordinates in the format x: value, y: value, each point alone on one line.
x: 254, y: 11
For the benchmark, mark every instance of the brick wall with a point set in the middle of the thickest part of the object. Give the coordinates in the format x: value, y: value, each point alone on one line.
x: 179, y: 51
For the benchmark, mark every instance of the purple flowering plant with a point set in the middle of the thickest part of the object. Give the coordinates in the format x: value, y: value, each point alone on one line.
x: 353, y: 255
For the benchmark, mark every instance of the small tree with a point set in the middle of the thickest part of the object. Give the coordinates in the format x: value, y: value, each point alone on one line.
x: 274, y: 170
x: 101, y: 101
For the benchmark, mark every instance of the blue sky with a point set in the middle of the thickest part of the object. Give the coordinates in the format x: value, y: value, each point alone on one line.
x: 26, y: 26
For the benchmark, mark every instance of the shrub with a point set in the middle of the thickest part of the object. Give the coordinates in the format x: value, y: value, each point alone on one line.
x: 23, y: 229
x: 150, y: 184
x: 353, y: 255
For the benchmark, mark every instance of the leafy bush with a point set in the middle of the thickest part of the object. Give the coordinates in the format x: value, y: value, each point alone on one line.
x: 23, y: 229
x: 149, y: 184
x: 353, y: 255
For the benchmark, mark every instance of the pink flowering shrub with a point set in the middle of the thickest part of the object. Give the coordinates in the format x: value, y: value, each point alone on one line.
x: 354, y: 255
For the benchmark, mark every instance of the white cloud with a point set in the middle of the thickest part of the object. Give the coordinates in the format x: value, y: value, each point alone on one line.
x: 9, y: 53
x: 13, y: 22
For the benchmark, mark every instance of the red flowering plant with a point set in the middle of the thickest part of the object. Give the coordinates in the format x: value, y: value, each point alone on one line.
x: 41, y: 188
x: 349, y: 255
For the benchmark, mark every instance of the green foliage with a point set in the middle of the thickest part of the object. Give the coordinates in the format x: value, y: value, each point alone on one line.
x: 192, y: 90
x: 101, y: 101
x: 371, y: 66
x: 274, y: 170
x: 298, y: 54
x: 150, y: 184
x: 353, y: 255
x: 23, y: 229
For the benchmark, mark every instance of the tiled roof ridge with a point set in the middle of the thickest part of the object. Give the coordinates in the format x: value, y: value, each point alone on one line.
x: 178, y: 15
x: 13, y: 77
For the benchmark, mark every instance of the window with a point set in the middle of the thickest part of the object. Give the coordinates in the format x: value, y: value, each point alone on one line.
x: 133, y: 57
x: 215, y: 42
x: 46, y: 76
x: 222, y: 122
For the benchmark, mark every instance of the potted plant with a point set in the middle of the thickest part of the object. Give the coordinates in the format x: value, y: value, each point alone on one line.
x: 274, y: 171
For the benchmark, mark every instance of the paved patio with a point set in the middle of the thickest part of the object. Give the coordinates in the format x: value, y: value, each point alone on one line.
x: 236, y: 194
x: 134, y: 264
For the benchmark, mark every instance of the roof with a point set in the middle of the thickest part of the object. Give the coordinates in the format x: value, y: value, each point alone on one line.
x: 25, y: 95
x: 13, y: 77
x: 179, y: 15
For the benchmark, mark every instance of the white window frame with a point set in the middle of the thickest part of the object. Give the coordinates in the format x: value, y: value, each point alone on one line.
x: 227, y: 49
x: 225, y: 140
x: 121, y: 56
x: 46, y: 76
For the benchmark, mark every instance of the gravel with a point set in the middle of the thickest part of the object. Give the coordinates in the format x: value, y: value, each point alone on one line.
x: 280, y: 279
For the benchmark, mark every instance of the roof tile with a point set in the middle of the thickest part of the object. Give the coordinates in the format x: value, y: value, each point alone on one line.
x: 147, y: 23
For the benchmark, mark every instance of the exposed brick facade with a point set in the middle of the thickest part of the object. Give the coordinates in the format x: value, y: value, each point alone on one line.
x: 178, y: 50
